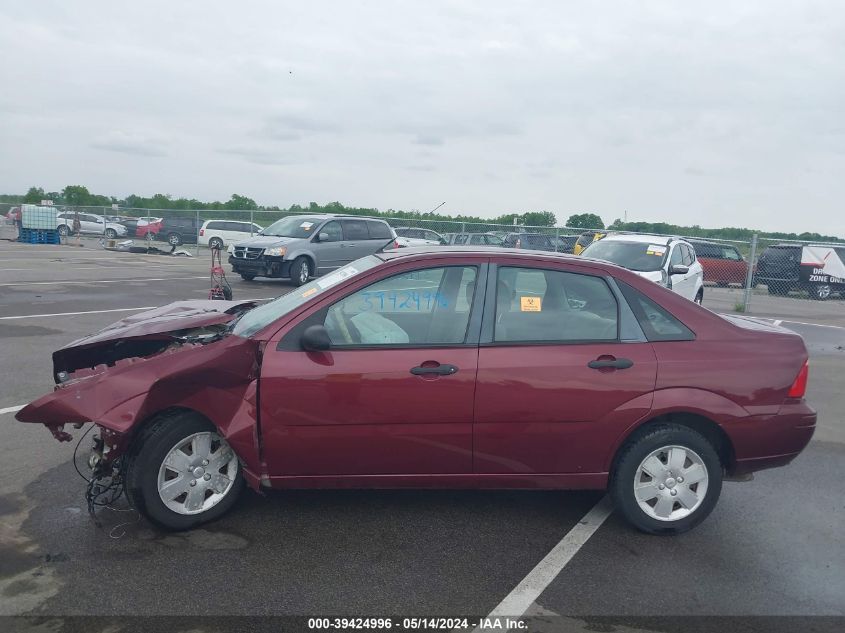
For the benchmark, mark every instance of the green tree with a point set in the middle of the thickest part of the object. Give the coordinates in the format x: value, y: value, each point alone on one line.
x: 240, y: 202
x: 76, y: 195
x: 585, y: 221
x: 539, y: 218
x: 34, y: 196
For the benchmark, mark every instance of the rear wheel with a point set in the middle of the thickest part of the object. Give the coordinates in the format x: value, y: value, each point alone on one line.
x: 667, y: 480
x: 64, y: 230
x: 820, y: 292
x: 174, y: 239
x: 215, y: 242
x: 182, y: 473
x: 247, y: 276
x: 699, y: 296
x: 300, y: 270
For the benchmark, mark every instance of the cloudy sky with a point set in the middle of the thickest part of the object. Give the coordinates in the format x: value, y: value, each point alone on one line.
x: 714, y: 113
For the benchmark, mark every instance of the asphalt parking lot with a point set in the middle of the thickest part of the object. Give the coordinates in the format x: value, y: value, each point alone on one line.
x: 772, y: 547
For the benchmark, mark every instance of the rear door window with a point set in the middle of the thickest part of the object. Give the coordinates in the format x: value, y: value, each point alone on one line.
x: 538, y: 305
x: 378, y: 230
x: 656, y: 322
x: 355, y: 230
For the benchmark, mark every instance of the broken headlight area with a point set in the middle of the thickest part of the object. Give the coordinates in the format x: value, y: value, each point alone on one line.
x: 105, y: 477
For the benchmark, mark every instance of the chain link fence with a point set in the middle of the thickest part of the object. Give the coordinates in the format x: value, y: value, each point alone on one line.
x: 735, y: 272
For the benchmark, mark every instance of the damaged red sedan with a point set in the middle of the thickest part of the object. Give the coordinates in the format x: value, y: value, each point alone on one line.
x: 449, y: 367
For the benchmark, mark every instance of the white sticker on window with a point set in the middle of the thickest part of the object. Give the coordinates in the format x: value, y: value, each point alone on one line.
x: 336, y: 277
x: 655, y: 249
x: 306, y: 225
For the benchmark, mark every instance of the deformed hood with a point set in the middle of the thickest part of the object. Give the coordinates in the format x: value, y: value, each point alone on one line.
x: 145, y: 329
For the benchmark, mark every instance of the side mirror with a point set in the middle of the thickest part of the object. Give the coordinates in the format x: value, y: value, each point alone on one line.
x: 678, y: 269
x: 324, y: 237
x: 316, y: 339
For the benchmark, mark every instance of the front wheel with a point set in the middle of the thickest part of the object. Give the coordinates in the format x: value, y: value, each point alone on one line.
x: 111, y: 234
x: 182, y: 473
x: 247, y: 277
x: 64, y: 230
x: 667, y: 480
x: 215, y: 242
x: 174, y: 239
x: 699, y: 296
x: 300, y: 270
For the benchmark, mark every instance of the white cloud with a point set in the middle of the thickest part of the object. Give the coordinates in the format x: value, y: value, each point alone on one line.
x: 715, y: 114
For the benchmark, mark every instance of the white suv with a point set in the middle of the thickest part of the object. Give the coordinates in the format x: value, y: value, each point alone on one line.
x: 219, y: 233
x: 669, y: 261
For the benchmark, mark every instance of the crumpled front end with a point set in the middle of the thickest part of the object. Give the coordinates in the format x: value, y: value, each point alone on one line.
x: 120, y: 382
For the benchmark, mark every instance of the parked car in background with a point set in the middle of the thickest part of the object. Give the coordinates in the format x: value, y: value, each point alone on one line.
x: 668, y: 261
x: 564, y: 243
x: 474, y: 239
x: 89, y: 224
x: 819, y: 270
x: 178, y: 230
x: 299, y: 247
x: 412, y: 236
x: 722, y: 263
x: 585, y: 239
x: 437, y: 368
x: 222, y: 233
x: 533, y: 241
x: 142, y: 227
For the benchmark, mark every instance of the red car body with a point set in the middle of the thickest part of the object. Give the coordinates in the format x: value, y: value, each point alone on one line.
x: 515, y: 415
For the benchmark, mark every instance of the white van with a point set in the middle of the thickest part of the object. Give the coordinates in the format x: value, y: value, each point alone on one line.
x: 220, y: 233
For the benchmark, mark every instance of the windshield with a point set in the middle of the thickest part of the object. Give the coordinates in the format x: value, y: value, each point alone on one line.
x: 638, y: 256
x: 258, y: 318
x: 293, y: 226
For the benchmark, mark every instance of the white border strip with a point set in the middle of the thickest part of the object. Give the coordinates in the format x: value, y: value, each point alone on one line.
x: 12, y: 409
x: 518, y: 601
x: 100, y: 281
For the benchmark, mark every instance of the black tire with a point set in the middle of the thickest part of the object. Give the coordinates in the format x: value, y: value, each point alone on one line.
x: 247, y: 276
x: 699, y: 296
x: 174, y: 239
x: 632, y: 455
x: 145, y: 458
x: 215, y: 242
x: 111, y: 234
x: 64, y: 230
x: 300, y: 270
x: 820, y: 292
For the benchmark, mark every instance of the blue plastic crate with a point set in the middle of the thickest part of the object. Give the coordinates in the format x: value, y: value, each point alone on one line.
x: 39, y: 236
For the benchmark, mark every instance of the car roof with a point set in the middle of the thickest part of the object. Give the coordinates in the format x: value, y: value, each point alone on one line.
x: 454, y: 250
x: 647, y: 239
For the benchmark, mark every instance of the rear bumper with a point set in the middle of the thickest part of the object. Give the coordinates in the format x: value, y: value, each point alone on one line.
x: 769, y: 441
x: 261, y: 267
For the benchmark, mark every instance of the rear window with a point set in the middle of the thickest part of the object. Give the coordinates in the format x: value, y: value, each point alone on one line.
x: 782, y: 253
x: 215, y: 226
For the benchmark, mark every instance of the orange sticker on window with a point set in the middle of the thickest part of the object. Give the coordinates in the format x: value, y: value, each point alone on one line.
x: 530, y: 304
x: 309, y: 292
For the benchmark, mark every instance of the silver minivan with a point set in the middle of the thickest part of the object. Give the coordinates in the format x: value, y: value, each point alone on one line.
x: 302, y: 246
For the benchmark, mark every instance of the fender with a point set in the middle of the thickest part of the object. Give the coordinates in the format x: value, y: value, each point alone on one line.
x: 290, y: 257
x: 217, y: 379
x: 705, y: 404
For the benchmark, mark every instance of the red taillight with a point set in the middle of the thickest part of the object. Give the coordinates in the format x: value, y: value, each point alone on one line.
x: 799, y: 387
x: 202, y: 232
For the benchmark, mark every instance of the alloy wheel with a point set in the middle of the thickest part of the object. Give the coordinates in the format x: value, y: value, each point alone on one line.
x: 670, y: 483
x: 197, y: 473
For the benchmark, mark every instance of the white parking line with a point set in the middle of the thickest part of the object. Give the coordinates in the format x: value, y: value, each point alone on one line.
x: 101, y: 281
x: 56, y: 314
x: 526, y: 592
x: 12, y: 409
